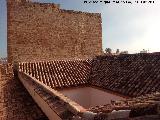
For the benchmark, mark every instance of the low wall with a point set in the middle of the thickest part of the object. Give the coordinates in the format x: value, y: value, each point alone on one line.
x: 48, y: 98
x: 39, y: 100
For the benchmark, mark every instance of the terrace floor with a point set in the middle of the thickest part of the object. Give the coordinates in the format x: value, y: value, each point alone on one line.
x: 90, y: 96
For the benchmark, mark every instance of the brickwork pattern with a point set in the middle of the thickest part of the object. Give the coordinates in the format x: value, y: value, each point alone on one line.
x: 38, y: 31
x: 16, y: 103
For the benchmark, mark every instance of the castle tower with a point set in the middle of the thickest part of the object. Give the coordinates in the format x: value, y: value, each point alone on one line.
x: 43, y: 31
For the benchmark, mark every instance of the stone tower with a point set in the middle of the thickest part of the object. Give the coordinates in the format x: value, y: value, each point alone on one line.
x: 43, y: 31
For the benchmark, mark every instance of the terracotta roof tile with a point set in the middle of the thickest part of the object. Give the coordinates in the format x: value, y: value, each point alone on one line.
x: 59, y: 74
x: 131, y: 75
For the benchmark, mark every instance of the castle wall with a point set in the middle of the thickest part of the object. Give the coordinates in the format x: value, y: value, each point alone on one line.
x: 15, y: 102
x: 40, y: 31
x: 0, y: 71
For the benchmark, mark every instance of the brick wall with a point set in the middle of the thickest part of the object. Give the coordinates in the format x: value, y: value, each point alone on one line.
x: 40, y: 31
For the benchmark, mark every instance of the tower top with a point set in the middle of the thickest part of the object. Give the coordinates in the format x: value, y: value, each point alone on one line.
x: 19, y: 1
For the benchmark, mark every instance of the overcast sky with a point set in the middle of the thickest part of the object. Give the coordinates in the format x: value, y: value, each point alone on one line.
x: 131, y: 27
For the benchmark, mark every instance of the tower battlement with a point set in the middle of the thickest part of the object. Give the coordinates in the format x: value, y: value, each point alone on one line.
x: 19, y: 1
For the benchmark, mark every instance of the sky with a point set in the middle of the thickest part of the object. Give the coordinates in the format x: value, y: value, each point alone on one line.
x: 125, y: 26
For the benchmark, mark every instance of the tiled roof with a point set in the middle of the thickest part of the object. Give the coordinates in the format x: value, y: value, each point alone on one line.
x: 59, y: 74
x: 133, y: 108
x: 131, y: 75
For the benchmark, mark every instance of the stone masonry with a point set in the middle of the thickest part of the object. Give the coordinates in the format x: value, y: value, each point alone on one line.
x: 15, y: 101
x: 43, y: 31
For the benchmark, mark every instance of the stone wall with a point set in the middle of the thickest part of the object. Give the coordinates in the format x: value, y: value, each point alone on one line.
x: 41, y: 31
x: 15, y: 101
x: 0, y: 71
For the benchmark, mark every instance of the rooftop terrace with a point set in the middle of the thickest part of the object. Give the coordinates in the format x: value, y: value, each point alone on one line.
x: 126, y: 76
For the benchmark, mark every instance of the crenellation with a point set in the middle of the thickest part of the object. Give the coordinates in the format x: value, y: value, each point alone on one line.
x: 81, y: 12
